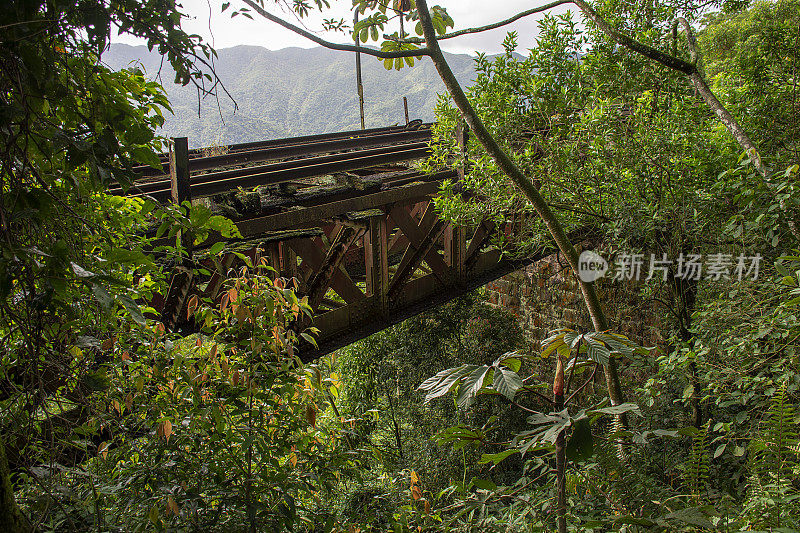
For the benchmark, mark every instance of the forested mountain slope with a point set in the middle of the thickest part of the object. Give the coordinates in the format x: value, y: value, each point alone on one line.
x: 291, y: 92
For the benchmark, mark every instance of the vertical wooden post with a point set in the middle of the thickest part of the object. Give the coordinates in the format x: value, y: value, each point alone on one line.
x: 455, y: 251
x: 456, y: 236
x: 181, y: 283
x: 288, y: 262
x: 359, y: 84
x: 272, y: 252
x: 405, y: 106
x: 180, y: 180
x: 179, y: 169
x: 376, y: 250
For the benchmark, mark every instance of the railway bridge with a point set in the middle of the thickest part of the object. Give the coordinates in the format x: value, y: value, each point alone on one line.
x: 346, y: 214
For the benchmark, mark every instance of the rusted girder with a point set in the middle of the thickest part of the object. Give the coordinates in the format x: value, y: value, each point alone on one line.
x: 319, y: 283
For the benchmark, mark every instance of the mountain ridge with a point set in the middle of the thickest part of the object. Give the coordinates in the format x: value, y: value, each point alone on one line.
x: 291, y: 92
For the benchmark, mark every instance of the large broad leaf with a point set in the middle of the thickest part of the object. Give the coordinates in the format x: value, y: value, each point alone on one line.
x: 485, y: 484
x: 133, y: 309
x: 551, y: 347
x: 617, y: 343
x: 551, y: 425
x: 459, y: 436
x: 510, y: 360
x: 102, y: 296
x: 571, y: 338
x: 540, y: 418
x: 82, y: 272
x: 444, y: 381
x: 694, y: 516
x: 471, y: 385
x: 495, y: 458
x: 597, y: 352
x: 506, y: 382
x: 551, y: 344
x: 618, y: 409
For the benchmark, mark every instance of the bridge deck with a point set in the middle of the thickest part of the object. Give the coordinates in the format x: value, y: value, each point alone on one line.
x: 345, y: 215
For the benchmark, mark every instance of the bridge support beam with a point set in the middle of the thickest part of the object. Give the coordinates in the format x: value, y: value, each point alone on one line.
x: 376, y: 256
x: 455, y: 251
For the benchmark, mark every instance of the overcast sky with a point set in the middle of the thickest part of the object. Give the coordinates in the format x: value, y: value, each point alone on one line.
x: 223, y: 32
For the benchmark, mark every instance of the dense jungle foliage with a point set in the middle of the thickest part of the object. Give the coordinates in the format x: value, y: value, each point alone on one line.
x: 453, y: 420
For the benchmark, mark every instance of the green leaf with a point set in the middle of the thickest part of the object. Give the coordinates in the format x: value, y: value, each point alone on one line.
x: 216, y: 248
x: 619, y: 409
x: 512, y: 363
x: 506, y: 382
x: 720, y: 449
x: 558, y: 422
x: 444, y: 381
x: 597, y: 352
x: 458, y: 436
x: 485, y: 484
x: 552, y: 345
x: 496, y: 458
x: 133, y: 309
x: 688, y: 391
x: 471, y: 385
x: 691, y: 516
x: 81, y: 272
x: 146, y: 156
x: 564, y: 351
x: 102, y: 296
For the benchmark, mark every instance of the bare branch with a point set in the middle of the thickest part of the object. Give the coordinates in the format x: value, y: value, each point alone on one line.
x: 647, y: 51
x: 495, y: 25
x: 335, y: 46
x: 591, y: 379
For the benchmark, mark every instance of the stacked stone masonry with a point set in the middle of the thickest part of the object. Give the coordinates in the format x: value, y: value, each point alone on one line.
x: 545, y: 296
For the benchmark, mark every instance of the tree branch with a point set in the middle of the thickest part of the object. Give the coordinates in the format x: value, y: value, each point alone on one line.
x: 591, y: 379
x: 510, y: 169
x: 495, y: 25
x: 635, y: 46
x: 538, y: 394
x: 335, y: 46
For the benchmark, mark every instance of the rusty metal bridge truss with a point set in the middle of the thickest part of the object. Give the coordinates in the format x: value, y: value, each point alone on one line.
x: 346, y: 216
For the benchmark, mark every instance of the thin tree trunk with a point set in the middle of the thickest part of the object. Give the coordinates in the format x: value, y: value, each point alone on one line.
x: 11, y: 518
x: 508, y: 167
x: 561, y: 452
x: 398, y: 437
x: 685, y: 296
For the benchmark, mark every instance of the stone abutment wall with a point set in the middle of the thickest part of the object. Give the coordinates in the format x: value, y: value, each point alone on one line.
x: 545, y: 296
